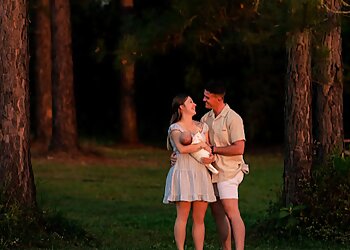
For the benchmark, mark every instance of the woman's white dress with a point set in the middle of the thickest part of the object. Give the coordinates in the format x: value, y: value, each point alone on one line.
x: 188, y: 180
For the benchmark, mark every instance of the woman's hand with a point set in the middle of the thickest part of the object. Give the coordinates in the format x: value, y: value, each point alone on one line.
x: 173, y: 159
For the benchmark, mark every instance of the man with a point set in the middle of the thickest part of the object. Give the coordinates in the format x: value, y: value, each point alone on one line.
x: 227, y: 137
x: 227, y: 140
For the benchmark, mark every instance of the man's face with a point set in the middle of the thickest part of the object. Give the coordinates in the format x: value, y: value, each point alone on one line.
x: 209, y: 99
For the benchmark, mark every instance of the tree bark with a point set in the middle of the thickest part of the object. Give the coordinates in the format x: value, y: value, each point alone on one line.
x: 64, y: 130
x: 128, y: 109
x: 298, y: 120
x: 328, y: 86
x: 43, y: 68
x: 16, y: 176
x: 128, y: 114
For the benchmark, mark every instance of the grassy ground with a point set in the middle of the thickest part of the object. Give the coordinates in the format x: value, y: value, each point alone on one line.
x: 116, y: 194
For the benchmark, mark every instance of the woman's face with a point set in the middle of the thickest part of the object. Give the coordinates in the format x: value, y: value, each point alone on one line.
x: 189, y: 106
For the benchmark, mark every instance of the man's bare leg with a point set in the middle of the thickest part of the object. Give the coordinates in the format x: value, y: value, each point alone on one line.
x: 237, y: 224
x: 222, y: 224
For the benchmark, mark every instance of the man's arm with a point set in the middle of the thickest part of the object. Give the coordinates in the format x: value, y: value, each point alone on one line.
x: 173, y: 158
x: 236, y: 148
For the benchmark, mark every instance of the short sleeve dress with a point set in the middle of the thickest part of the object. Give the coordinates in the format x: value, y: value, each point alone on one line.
x: 188, y: 180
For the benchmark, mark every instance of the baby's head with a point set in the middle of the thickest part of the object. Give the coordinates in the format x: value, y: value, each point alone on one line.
x: 185, y: 138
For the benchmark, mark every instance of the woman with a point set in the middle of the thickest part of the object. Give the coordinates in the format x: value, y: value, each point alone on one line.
x: 188, y: 183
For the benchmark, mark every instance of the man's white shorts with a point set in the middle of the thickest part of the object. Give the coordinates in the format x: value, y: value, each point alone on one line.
x: 228, y: 189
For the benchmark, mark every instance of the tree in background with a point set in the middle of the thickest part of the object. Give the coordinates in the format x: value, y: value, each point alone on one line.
x: 64, y: 130
x: 323, y: 21
x: 328, y: 84
x: 43, y: 68
x: 298, y: 122
x: 16, y: 176
x: 316, y: 183
x: 128, y: 114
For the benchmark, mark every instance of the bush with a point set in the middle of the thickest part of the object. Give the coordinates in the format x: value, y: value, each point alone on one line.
x: 328, y: 202
x: 326, y: 212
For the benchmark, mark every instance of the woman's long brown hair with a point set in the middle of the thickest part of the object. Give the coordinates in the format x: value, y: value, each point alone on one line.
x: 178, y: 100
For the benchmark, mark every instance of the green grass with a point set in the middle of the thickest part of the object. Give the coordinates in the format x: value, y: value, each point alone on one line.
x: 118, y: 198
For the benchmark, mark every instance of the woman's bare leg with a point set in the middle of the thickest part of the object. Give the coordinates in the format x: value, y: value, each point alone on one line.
x: 198, y: 228
x: 182, y: 211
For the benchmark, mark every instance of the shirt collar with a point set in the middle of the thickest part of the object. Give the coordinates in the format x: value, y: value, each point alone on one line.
x: 223, y: 112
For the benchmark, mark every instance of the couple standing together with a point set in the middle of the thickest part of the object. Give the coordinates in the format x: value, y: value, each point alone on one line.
x: 190, y: 185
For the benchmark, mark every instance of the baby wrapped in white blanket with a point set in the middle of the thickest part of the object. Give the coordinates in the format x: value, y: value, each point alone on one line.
x: 186, y: 139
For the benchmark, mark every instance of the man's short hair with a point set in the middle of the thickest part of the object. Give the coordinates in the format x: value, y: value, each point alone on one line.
x: 216, y: 87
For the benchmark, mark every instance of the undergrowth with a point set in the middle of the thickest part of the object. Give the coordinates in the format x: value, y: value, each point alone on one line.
x: 325, y: 214
x: 27, y: 228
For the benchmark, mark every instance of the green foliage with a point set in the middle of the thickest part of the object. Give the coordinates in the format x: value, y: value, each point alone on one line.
x: 128, y: 49
x: 197, y: 24
x: 219, y: 24
x: 27, y: 228
x: 15, y: 225
x: 303, y: 13
x: 148, y: 33
x: 282, y: 221
x: 329, y: 201
x: 326, y: 212
x: 57, y: 226
x: 288, y: 216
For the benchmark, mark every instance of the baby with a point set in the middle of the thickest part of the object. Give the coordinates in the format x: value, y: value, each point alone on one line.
x: 187, y: 139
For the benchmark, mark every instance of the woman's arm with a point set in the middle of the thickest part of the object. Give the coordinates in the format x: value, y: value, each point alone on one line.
x: 186, y: 149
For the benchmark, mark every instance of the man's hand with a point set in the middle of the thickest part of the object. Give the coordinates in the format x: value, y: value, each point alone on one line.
x: 208, y: 160
x: 173, y: 159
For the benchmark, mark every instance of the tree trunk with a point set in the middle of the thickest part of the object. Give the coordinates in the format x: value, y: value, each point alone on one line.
x: 328, y: 94
x: 128, y: 109
x: 64, y: 130
x: 298, y: 137
x: 43, y: 104
x: 16, y: 176
x: 128, y: 117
